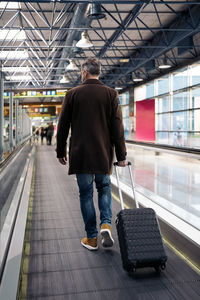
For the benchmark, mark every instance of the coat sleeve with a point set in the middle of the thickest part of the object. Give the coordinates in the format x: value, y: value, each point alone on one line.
x: 117, y: 129
x: 64, y: 126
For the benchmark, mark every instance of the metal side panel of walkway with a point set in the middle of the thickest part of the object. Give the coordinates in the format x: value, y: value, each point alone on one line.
x: 56, y: 266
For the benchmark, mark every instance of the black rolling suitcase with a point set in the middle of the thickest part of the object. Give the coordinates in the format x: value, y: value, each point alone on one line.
x: 139, y: 235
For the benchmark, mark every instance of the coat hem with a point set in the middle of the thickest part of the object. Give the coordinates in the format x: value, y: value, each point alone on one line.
x: 72, y: 172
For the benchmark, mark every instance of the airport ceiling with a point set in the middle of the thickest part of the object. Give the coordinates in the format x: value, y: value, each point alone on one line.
x: 131, y: 38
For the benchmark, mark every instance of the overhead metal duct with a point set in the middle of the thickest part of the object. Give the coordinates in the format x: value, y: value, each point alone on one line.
x: 79, y: 20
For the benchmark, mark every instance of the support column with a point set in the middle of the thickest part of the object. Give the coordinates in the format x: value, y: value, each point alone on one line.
x: 20, y: 123
x: 11, y: 121
x: 16, y: 123
x: 1, y: 115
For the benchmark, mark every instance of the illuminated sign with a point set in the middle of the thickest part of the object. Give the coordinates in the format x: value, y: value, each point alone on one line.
x: 41, y: 111
x: 28, y: 94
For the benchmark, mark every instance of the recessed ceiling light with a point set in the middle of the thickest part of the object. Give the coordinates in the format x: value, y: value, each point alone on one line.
x: 164, y: 66
x: 137, y: 79
x: 124, y: 60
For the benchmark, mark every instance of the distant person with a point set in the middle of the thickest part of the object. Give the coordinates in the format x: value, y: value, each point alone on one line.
x: 50, y: 132
x: 42, y: 134
x: 7, y: 130
x: 93, y: 112
x: 179, y: 137
x: 37, y: 134
x: 45, y: 133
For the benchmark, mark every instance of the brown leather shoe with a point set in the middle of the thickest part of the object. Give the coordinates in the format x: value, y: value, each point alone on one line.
x: 90, y: 243
x: 107, y: 240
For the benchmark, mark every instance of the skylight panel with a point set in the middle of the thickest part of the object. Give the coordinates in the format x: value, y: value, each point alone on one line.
x: 14, y: 55
x: 16, y: 69
x: 12, y: 34
x: 19, y: 77
x: 9, y: 5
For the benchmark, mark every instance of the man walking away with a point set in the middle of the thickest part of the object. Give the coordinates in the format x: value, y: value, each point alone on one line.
x: 93, y: 112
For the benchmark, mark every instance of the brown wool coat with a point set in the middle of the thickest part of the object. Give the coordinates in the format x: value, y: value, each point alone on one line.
x: 93, y: 112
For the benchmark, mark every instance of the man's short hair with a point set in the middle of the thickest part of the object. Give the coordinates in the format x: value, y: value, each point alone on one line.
x: 92, y: 65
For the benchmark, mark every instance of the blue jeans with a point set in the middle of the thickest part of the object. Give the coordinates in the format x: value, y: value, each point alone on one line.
x: 85, y: 183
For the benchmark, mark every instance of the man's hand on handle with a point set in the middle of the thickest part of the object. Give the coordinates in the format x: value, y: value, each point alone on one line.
x: 63, y: 160
x: 122, y: 163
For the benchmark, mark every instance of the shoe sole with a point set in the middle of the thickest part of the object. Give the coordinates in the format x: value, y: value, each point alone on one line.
x: 107, y: 240
x: 89, y: 247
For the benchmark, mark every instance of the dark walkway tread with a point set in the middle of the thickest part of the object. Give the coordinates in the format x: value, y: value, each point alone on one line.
x: 60, y: 268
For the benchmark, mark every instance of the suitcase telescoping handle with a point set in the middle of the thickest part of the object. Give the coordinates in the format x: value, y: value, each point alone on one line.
x: 132, y: 184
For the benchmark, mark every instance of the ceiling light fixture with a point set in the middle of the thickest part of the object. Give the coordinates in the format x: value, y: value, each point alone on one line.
x: 95, y: 11
x: 124, y: 60
x: 137, y: 78
x: 71, y: 66
x: 64, y: 79
x: 84, y: 41
x: 164, y: 64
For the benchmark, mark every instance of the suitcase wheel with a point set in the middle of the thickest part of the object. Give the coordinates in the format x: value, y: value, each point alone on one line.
x: 163, y: 266
x: 160, y: 267
x: 132, y: 272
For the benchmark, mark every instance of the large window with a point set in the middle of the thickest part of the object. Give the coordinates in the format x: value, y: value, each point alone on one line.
x: 177, y: 99
x: 180, y: 101
x: 124, y: 98
x: 150, y: 90
x: 124, y: 101
x: 195, y: 118
x: 195, y: 74
x: 163, y: 104
x: 164, y: 122
x: 196, y: 98
x: 180, y: 121
x: 180, y: 79
x: 163, y: 85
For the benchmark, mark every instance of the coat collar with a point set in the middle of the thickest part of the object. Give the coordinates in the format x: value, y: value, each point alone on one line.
x: 92, y: 81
